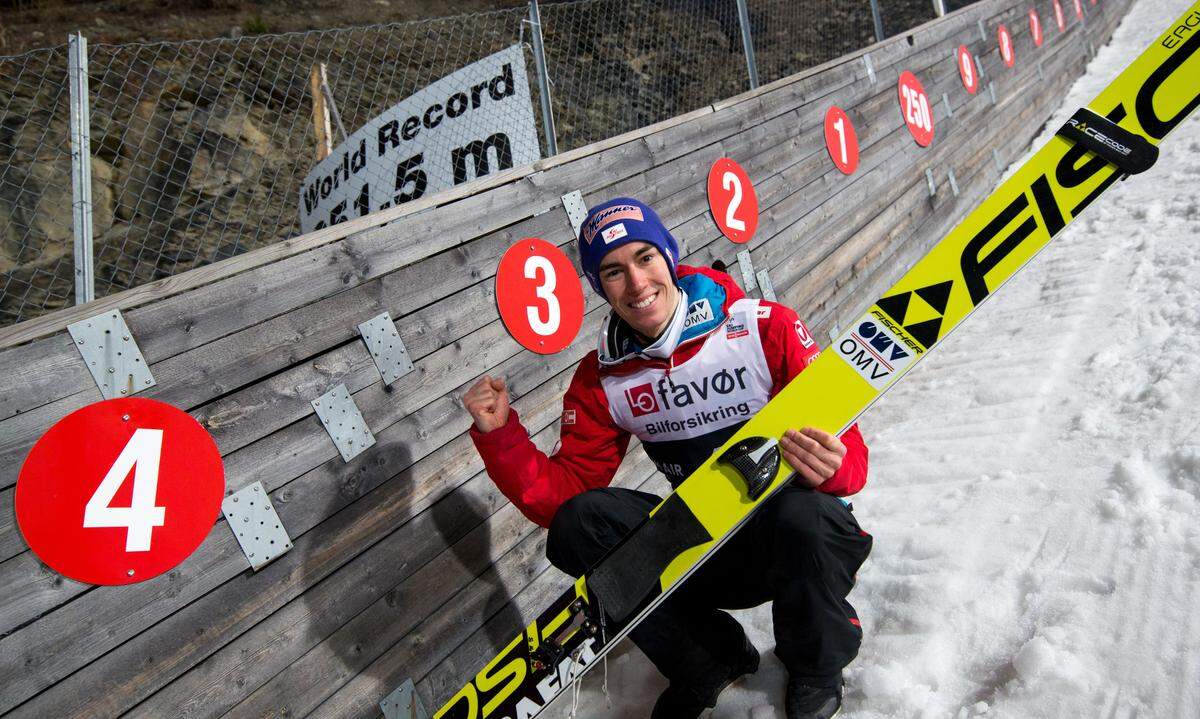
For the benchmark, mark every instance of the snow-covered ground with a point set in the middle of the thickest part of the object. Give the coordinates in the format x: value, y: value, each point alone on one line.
x: 1035, y: 483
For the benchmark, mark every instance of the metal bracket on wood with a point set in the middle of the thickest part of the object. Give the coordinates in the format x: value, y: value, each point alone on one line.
x: 996, y: 159
x: 982, y: 32
x: 929, y: 181
x: 1041, y: 72
x: 870, y: 67
x: 343, y: 422
x: 111, y: 354
x: 747, y: 266
x: 953, y: 181
x: 992, y: 91
x: 834, y: 332
x: 946, y: 102
x: 403, y: 703
x: 764, y: 284
x: 387, y: 349
x: 576, y: 210
x: 256, y: 525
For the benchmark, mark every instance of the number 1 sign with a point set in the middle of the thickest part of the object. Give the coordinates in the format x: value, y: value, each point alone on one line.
x: 120, y: 491
x: 732, y: 200
x: 840, y: 140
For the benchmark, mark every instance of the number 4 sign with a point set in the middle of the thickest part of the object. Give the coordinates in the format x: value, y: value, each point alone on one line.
x: 732, y: 200
x: 120, y: 491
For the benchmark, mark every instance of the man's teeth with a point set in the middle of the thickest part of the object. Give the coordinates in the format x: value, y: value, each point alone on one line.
x: 645, y: 303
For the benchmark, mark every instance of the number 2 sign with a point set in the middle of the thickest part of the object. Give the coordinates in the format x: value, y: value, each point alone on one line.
x: 539, y: 296
x: 732, y: 200
x: 119, y: 491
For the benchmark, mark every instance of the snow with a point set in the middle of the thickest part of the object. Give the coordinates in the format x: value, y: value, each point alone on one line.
x: 1035, y: 483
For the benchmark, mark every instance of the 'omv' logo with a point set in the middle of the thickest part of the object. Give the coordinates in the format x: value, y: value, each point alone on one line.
x: 642, y: 400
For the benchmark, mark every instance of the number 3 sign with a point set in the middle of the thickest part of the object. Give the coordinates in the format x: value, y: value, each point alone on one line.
x: 120, y: 491
x: 539, y: 296
x: 732, y: 200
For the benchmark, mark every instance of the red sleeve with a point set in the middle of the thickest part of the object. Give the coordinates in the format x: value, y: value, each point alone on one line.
x: 789, y: 348
x: 590, y: 450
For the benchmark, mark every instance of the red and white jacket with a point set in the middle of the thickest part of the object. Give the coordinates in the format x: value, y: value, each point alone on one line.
x: 723, y: 357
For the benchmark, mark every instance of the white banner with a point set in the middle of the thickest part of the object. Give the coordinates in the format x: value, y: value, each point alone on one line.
x: 474, y: 122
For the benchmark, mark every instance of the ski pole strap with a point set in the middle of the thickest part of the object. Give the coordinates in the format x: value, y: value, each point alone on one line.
x: 1130, y: 152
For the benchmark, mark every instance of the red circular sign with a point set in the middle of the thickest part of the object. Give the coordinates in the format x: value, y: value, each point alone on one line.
x: 732, y: 200
x: 1059, y: 17
x: 967, y: 70
x: 1006, y: 46
x: 539, y: 296
x: 841, y: 140
x: 1035, y: 27
x: 915, y: 108
x: 120, y: 491
x: 1079, y: 9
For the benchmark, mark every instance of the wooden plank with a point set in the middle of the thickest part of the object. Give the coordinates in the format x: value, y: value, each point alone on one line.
x: 304, y: 403
x: 1025, y: 114
x: 197, y: 334
x: 407, y: 493
x: 320, y: 112
x: 290, y: 331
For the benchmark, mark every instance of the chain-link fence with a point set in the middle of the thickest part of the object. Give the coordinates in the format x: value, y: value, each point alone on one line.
x: 202, y: 150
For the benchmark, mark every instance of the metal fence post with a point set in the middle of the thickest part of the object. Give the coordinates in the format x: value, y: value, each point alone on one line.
x: 539, y: 59
x: 939, y: 7
x: 878, y: 20
x: 748, y: 43
x: 81, y: 168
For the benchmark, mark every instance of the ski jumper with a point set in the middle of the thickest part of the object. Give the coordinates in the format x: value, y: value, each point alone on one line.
x: 721, y: 359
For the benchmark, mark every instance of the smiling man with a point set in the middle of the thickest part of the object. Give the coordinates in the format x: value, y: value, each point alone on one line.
x: 684, y: 359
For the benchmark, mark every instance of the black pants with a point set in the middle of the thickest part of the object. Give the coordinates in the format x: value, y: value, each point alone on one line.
x: 800, y: 550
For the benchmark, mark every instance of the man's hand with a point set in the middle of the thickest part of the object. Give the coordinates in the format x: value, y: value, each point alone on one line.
x: 813, y: 453
x: 487, y: 401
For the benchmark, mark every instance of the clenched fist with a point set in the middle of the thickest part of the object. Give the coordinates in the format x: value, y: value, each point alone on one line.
x: 487, y: 401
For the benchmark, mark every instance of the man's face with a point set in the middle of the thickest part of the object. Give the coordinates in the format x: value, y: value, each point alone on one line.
x: 637, y: 283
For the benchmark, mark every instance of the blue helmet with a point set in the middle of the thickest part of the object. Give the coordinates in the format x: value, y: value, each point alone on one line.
x: 618, y: 222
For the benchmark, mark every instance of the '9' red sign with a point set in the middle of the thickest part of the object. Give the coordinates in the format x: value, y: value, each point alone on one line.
x: 539, y: 296
x: 966, y: 70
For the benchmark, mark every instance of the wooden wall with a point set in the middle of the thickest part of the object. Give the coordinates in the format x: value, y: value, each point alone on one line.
x: 407, y: 561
